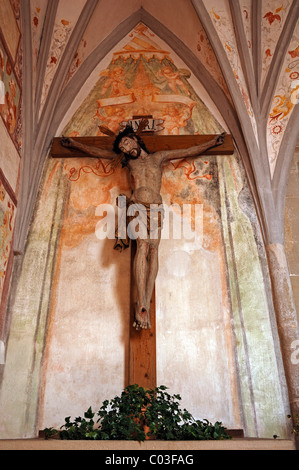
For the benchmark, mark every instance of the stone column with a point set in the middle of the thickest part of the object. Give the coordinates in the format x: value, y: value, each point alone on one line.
x: 287, y: 322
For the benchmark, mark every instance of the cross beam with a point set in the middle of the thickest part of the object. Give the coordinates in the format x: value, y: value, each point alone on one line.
x: 153, y: 143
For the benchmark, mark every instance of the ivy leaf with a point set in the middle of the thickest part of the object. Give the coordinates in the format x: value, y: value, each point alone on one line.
x: 89, y: 414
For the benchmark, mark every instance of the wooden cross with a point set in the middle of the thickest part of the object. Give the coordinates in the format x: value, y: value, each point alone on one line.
x: 142, y: 348
x: 152, y: 142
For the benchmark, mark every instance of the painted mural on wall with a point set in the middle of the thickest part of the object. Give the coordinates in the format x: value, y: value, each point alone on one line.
x: 140, y: 81
x: 9, y: 14
x: 7, y: 216
x: 285, y: 99
x: 273, y: 17
x: 38, y: 11
x: 214, y: 336
x: 10, y: 103
x: 65, y: 22
x: 212, y: 273
x: 77, y: 60
x: 10, y: 131
x: 207, y: 57
x: 221, y: 17
x: 246, y: 7
x: 274, y: 14
x: 61, y: 34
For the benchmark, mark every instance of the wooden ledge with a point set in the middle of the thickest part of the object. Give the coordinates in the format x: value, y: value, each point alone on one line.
x: 233, y: 444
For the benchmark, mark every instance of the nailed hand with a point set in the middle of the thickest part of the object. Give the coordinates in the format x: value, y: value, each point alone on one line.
x: 65, y: 141
x: 220, y: 138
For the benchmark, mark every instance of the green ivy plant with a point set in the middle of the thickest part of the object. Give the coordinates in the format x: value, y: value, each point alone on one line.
x: 139, y: 414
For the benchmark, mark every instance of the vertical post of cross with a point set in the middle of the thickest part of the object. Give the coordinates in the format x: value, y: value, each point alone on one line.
x: 142, y: 343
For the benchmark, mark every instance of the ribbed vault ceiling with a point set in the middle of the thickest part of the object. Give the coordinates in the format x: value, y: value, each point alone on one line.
x: 244, y: 53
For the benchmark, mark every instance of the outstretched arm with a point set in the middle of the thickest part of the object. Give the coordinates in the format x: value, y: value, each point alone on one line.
x: 193, y: 151
x: 92, y: 151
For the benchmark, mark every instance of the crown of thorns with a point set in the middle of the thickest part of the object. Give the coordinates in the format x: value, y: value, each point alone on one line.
x: 142, y: 125
x: 127, y: 132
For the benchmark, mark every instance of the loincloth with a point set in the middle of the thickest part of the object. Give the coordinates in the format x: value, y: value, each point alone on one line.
x: 149, y: 215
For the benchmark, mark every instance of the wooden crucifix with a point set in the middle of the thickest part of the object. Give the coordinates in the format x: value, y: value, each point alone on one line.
x: 143, y: 158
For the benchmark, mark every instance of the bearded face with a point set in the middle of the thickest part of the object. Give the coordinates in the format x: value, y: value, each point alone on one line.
x: 130, y: 147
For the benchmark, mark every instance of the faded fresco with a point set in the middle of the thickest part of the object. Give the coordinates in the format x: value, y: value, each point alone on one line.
x: 65, y: 22
x: 273, y: 17
x: 9, y: 13
x: 221, y: 17
x: 142, y: 81
x: 10, y: 102
x: 214, y: 337
x: 7, y: 215
x: 10, y: 135
x: 286, y: 96
x: 274, y: 14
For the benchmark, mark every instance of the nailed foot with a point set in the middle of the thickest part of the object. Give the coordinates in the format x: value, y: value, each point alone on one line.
x: 142, y: 319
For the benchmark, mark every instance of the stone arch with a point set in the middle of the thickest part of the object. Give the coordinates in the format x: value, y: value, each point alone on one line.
x: 48, y: 127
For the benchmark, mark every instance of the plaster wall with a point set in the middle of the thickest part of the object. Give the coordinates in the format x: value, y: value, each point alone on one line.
x: 292, y: 227
x: 11, y: 141
x: 216, y: 341
x: 235, y: 333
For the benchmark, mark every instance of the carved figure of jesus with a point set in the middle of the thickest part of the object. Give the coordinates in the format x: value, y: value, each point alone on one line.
x: 145, y: 175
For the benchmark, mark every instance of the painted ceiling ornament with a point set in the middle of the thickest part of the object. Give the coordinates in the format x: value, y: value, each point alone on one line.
x: 141, y: 45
